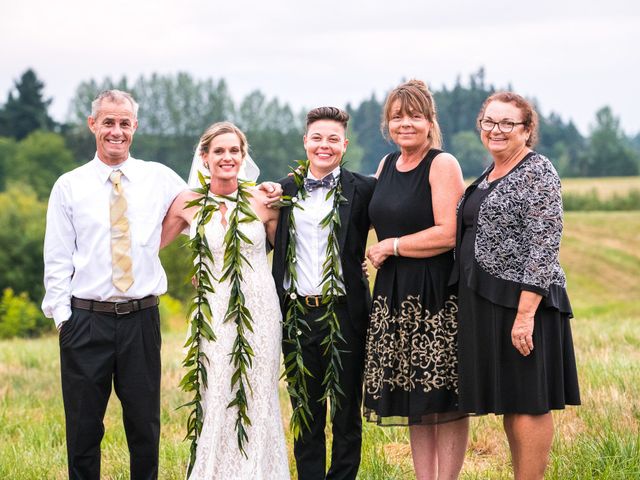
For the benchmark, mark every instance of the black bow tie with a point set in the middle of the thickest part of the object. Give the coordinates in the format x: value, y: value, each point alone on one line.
x: 310, y: 184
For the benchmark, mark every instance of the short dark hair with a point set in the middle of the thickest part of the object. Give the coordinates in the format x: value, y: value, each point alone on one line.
x: 328, y: 113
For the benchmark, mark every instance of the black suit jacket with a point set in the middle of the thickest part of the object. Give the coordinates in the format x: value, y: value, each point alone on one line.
x: 354, y: 219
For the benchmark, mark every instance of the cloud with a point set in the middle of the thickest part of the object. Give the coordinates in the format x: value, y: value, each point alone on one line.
x: 574, y: 57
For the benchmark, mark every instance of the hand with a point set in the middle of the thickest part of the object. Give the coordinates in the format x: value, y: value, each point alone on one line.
x: 522, y: 333
x: 297, y: 171
x: 365, y: 269
x: 379, y: 252
x: 273, y: 191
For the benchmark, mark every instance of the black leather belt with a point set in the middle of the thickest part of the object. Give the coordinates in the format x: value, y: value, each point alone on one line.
x: 315, y: 301
x: 117, y: 308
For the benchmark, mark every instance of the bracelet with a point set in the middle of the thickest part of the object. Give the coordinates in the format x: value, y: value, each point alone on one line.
x: 396, y: 243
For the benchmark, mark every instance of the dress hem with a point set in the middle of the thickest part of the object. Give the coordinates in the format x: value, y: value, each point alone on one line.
x: 429, y: 418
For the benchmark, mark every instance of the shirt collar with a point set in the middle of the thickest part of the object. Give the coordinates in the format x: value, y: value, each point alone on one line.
x: 128, y: 169
x: 335, y: 172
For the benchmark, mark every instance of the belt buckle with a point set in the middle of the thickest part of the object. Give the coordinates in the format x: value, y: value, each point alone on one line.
x: 316, y: 302
x: 128, y: 308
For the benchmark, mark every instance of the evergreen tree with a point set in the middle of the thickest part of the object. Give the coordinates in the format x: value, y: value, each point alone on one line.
x: 470, y: 153
x: 27, y: 110
x: 562, y: 143
x: 365, y: 123
x: 7, y: 153
x: 458, y: 108
x: 38, y: 161
x: 610, y: 152
x: 175, y: 109
x: 635, y: 143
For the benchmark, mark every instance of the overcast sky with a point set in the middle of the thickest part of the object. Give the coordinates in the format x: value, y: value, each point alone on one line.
x: 573, y: 56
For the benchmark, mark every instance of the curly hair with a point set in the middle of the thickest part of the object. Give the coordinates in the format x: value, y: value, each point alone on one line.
x: 529, y: 114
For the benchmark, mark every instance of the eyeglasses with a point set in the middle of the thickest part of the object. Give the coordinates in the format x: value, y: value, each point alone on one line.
x: 505, y: 126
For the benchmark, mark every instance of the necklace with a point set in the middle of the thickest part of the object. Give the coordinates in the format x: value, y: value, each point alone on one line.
x: 294, y: 323
x: 200, y: 310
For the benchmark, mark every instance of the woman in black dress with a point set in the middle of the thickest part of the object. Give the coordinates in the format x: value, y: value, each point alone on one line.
x: 515, y: 349
x: 411, y: 362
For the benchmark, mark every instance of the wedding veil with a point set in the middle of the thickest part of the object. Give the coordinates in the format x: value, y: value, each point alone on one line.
x: 248, y: 170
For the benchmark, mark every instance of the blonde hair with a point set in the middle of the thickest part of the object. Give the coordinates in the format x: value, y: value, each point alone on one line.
x: 414, y: 96
x: 221, y: 128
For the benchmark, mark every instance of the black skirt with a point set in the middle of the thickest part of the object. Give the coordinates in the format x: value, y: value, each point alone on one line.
x: 493, y: 377
x: 411, y: 359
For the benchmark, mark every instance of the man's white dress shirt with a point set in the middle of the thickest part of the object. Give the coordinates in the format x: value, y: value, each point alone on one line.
x: 77, y: 245
x: 312, y: 239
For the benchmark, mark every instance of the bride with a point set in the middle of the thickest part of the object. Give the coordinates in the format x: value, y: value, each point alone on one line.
x: 241, y: 435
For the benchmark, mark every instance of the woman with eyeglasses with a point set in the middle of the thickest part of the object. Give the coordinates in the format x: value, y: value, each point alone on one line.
x: 515, y: 348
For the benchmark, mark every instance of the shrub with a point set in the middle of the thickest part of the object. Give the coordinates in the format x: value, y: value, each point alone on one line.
x: 590, y: 201
x: 172, y: 314
x: 19, y: 317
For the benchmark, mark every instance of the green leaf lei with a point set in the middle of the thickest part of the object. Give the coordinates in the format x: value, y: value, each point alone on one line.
x: 294, y: 323
x: 200, y: 311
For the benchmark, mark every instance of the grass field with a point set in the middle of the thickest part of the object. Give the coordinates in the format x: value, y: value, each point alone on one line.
x: 604, y: 187
x: 599, y: 440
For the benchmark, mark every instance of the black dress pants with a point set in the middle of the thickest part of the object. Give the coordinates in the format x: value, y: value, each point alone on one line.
x: 310, y: 448
x: 98, y: 350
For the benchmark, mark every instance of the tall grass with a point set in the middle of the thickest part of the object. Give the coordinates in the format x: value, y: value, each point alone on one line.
x: 604, y: 187
x: 601, y: 194
x: 591, y: 201
x: 599, y: 440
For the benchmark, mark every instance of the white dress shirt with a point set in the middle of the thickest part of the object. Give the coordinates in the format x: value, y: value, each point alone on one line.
x: 311, y: 239
x: 77, y: 245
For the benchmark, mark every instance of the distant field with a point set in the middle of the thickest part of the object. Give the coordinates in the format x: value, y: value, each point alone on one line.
x: 605, y: 187
x: 599, y: 440
x: 601, y: 255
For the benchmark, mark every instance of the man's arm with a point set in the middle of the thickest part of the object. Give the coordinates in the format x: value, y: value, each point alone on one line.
x: 59, y: 245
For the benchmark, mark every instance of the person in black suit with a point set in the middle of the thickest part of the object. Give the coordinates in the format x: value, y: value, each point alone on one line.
x: 325, y: 144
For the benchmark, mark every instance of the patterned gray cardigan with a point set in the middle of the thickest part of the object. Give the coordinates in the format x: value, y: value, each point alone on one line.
x: 519, y: 227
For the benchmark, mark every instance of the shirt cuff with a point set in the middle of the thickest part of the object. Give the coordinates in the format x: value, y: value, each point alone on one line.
x: 535, y: 289
x: 61, y: 314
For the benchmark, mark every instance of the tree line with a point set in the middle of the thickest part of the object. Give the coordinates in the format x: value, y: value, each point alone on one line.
x: 175, y: 109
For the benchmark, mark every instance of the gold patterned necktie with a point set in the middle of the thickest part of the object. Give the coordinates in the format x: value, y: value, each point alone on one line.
x: 122, y: 274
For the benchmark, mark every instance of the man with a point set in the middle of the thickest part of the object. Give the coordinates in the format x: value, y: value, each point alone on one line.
x: 325, y: 143
x: 102, y: 278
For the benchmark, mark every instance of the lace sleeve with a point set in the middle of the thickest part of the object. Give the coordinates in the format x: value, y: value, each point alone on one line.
x: 543, y: 227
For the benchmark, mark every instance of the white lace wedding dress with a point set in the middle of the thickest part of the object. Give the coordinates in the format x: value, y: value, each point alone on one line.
x: 217, y: 455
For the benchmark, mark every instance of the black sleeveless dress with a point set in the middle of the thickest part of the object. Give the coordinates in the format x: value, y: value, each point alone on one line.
x: 411, y: 358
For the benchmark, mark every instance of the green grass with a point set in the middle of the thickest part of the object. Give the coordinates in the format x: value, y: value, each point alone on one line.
x: 604, y: 187
x: 601, y: 194
x: 599, y: 440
